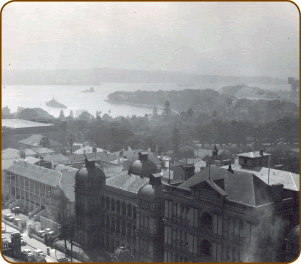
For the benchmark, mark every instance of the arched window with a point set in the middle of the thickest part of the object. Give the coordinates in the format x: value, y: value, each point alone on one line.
x: 129, y: 211
x: 108, y: 203
x: 118, y: 207
x: 206, y: 247
x: 113, y: 204
x: 206, y: 220
x: 134, y: 213
x: 123, y: 208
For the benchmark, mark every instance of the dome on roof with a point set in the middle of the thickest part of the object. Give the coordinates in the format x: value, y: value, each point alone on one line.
x: 91, y: 170
x: 293, y: 235
x: 151, y: 192
x: 154, y: 189
x: 142, y: 167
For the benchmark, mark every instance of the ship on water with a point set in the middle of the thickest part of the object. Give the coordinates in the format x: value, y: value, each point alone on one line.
x: 89, y: 91
x: 55, y: 103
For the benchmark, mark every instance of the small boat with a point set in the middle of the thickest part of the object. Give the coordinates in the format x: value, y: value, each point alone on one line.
x: 89, y: 91
x: 55, y: 103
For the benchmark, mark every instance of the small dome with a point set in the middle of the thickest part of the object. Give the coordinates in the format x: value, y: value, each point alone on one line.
x: 293, y: 235
x: 91, y: 170
x: 142, y: 167
x: 151, y: 192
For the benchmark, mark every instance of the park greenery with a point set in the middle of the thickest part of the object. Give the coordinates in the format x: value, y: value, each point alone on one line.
x: 209, y: 118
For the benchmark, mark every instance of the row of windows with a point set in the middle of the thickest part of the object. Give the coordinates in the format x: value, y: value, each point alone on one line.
x: 122, y: 208
x: 23, y: 181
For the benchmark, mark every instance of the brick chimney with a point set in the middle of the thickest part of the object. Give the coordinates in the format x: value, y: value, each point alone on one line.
x: 189, y: 171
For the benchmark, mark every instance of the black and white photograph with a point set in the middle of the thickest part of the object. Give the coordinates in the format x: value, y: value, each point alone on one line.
x: 150, y: 131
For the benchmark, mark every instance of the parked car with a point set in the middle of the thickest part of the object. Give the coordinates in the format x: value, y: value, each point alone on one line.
x: 16, y: 234
x: 7, y: 216
x: 47, y: 230
x: 23, y: 243
x: 16, y: 220
x: 16, y: 210
x: 63, y: 260
x: 51, y: 233
x: 41, y: 233
x: 11, y: 219
x: 26, y: 251
x: 39, y: 252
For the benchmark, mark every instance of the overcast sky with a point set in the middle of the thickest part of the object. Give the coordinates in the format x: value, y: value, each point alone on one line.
x: 207, y: 38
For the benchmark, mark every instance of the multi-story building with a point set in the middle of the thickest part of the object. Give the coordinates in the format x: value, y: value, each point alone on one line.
x: 221, y: 215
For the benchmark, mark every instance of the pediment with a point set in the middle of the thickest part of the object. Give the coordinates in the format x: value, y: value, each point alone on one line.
x: 208, y: 186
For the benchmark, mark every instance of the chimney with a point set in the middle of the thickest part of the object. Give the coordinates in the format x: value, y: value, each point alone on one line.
x: 276, y: 192
x: 155, y: 181
x: 89, y: 164
x: 230, y: 169
x: 189, y: 171
x: 261, y: 152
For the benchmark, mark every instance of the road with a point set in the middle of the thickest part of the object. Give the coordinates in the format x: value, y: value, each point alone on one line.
x: 32, y: 243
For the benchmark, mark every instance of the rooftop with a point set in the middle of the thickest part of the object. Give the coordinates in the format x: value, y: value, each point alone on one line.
x: 20, y: 123
x: 10, y: 153
x: 34, y: 140
x: 87, y: 149
x: 289, y: 180
x: 56, y: 158
x: 37, y: 173
x: 43, y: 151
x: 254, y: 154
x: 67, y: 181
x: 241, y: 187
x: 31, y: 160
x: 126, y: 182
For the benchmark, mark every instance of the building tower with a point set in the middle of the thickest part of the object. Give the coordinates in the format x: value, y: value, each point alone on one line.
x: 90, y: 184
x: 215, y: 151
x: 294, y: 86
x: 150, y: 225
x: 16, y: 245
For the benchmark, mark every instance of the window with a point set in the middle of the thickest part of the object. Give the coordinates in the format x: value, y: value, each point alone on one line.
x: 118, y: 207
x: 129, y: 211
x: 206, y: 247
x: 206, y: 220
x: 113, y: 205
x: 108, y: 203
x: 123, y: 208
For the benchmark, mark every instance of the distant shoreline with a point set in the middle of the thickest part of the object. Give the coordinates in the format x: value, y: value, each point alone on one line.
x: 139, y: 105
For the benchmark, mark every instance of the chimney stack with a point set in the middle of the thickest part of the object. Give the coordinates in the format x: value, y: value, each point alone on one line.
x: 261, y: 153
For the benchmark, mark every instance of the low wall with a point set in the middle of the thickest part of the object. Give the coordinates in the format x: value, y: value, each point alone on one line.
x: 47, y: 223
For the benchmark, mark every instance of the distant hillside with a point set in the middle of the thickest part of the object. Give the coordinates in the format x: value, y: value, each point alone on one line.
x: 99, y: 75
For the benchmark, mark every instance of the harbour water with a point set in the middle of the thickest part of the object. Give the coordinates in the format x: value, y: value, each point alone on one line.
x: 36, y: 96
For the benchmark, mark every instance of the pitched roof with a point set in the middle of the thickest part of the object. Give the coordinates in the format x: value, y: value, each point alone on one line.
x: 43, y: 151
x: 241, y: 187
x: 126, y: 182
x: 253, y: 154
x: 99, y: 156
x: 289, y: 180
x: 29, y: 152
x: 37, y: 173
x: 31, y: 160
x: 20, y: 123
x: 10, y: 153
x: 67, y: 181
x: 56, y: 158
x: 34, y: 140
x: 87, y: 149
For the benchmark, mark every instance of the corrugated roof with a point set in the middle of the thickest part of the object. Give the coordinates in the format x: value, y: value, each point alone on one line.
x: 10, y: 153
x: 20, y: 123
x: 126, y: 182
x: 289, y: 180
x: 29, y: 152
x: 34, y: 140
x: 67, y: 182
x: 37, y: 173
x: 56, y: 158
x: 43, y: 151
x: 254, y: 154
x: 31, y: 160
x: 241, y: 187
